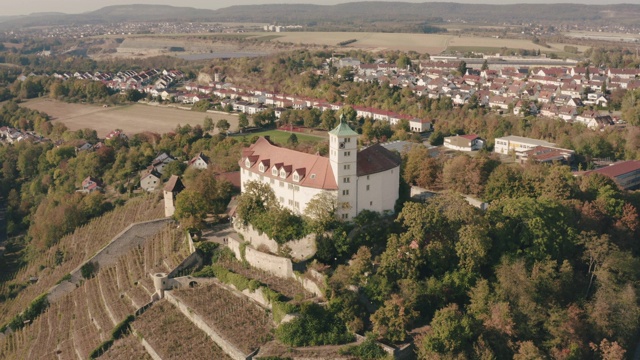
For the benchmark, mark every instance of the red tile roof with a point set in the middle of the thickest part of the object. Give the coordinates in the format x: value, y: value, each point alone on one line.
x: 232, y: 177
x: 375, y: 159
x: 469, y: 136
x: 318, y: 170
x: 617, y: 169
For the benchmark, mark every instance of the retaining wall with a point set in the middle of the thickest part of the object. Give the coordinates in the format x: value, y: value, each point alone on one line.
x: 301, y: 249
x: 277, y: 265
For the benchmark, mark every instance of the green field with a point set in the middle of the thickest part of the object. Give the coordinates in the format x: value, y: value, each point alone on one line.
x: 281, y: 137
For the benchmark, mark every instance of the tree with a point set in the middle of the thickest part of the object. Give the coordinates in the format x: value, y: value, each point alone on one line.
x: 223, y: 125
x: 485, y: 65
x: 292, y: 140
x: 451, y: 334
x: 321, y: 211
x: 243, y: 121
x: 191, y: 209
x: 462, y: 68
x: 391, y: 320
x: 208, y: 124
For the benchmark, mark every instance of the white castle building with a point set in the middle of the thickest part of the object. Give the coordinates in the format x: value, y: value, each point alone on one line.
x: 360, y: 180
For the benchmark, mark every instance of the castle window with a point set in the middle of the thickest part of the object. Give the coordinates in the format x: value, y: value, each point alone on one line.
x: 281, y: 199
x: 346, y: 180
x: 273, y: 181
x: 281, y: 184
x: 347, y: 167
x: 274, y: 171
x: 296, y: 188
x: 368, y: 187
x: 347, y: 153
x: 345, y: 192
x: 283, y: 174
x: 297, y: 205
x: 289, y: 186
x: 247, y: 163
x: 345, y: 216
x: 261, y: 167
x: 296, y: 177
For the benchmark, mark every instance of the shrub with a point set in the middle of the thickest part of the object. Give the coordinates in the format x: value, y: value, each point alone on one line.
x: 88, y: 270
x: 315, y: 326
x: 368, y: 349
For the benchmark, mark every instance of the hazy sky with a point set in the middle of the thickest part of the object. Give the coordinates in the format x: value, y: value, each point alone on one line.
x: 23, y: 7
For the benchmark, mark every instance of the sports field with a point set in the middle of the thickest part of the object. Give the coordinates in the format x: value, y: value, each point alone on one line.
x: 131, y: 119
x: 281, y: 137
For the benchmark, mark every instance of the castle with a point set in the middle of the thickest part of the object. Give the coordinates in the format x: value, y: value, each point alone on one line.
x: 360, y: 180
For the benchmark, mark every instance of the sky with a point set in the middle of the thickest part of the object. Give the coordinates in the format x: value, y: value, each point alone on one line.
x: 24, y: 7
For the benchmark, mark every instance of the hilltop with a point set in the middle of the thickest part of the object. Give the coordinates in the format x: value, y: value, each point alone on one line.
x: 351, y: 13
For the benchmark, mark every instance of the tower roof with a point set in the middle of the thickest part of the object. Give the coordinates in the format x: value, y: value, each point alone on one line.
x: 343, y: 129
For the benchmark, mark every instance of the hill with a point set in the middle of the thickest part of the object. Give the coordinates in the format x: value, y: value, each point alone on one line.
x: 350, y: 13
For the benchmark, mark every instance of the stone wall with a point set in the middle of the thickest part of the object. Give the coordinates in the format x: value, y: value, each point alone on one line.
x: 301, y: 249
x: 277, y: 265
x: 192, y: 261
x: 226, y: 346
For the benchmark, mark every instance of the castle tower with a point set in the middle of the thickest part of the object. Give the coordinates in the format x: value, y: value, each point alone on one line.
x: 173, y: 187
x: 343, y: 155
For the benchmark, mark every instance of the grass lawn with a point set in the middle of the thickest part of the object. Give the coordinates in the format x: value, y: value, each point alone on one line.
x: 281, y: 137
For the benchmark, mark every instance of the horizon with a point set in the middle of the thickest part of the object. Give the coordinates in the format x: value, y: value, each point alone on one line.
x: 27, y: 7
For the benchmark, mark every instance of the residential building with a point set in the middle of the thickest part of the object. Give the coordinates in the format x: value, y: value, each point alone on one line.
x: 469, y: 142
x: 517, y: 144
x: 200, y: 161
x: 150, y: 180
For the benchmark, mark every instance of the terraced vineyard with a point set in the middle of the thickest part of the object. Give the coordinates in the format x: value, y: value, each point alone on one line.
x: 127, y: 348
x: 75, y: 248
x: 239, y: 320
x: 173, y: 336
x: 80, y: 321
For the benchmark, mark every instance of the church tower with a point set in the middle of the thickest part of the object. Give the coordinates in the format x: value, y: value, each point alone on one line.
x: 343, y: 155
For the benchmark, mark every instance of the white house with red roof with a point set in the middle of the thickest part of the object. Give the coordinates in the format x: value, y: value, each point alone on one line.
x: 360, y: 180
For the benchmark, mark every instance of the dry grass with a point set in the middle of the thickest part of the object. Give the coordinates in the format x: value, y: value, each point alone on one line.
x: 132, y: 119
x: 173, y: 336
x: 239, y: 320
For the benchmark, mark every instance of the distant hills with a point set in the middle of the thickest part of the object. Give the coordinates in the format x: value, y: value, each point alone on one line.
x: 349, y: 13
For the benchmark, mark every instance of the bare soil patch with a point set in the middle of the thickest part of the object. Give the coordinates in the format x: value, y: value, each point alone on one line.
x: 132, y: 119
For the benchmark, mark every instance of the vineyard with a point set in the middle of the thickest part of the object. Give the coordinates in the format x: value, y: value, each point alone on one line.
x: 237, y: 319
x: 287, y: 287
x: 172, y: 336
x: 81, y: 320
x: 72, y: 250
x: 127, y: 348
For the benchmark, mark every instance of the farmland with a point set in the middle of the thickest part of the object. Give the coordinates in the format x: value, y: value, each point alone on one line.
x: 422, y: 43
x: 131, y: 119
